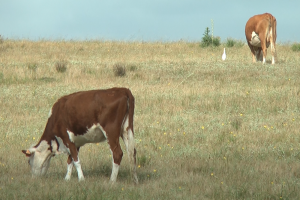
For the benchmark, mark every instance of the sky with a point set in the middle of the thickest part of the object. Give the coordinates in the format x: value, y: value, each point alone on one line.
x: 141, y: 20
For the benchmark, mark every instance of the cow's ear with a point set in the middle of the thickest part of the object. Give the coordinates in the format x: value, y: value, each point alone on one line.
x: 27, y: 153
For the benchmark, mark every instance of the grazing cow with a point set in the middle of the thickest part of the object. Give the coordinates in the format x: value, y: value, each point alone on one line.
x: 87, y: 117
x: 260, y: 31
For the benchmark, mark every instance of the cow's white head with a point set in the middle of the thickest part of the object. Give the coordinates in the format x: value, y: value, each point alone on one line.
x: 39, y: 158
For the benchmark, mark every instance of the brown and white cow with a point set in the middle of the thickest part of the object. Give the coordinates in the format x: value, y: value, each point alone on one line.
x: 87, y: 117
x: 260, y: 32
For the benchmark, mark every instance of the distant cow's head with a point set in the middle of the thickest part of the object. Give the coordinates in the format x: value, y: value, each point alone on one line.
x: 39, y: 158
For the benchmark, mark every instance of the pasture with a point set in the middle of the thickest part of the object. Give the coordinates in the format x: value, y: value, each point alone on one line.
x: 204, y: 128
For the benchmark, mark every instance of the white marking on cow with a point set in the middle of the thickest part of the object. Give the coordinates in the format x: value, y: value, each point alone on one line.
x: 50, y: 113
x: 62, y: 147
x: 125, y: 134
x: 255, y: 41
x: 270, y: 34
x: 40, y: 158
x: 69, y: 171
x: 94, y: 134
x: 264, y: 60
x: 79, y: 170
x: 54, y: 147
x: 128, y: 139
x: 114, y: 173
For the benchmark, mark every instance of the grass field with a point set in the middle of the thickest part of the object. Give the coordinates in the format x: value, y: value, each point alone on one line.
x: 204, y: 128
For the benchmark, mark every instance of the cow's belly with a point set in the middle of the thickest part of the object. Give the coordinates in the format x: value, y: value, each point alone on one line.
x: 94, y: 134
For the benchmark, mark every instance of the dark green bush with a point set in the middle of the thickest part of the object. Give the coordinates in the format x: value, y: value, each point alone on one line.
x: 208, y: 40
x: 296, y: 47
x: 231, y: 42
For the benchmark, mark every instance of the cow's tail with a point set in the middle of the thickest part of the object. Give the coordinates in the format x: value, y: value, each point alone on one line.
x: 131, y: 144
x: 130, y: 109
x: 273, y: 38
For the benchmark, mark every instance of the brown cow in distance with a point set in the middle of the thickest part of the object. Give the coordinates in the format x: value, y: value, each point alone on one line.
x: 87, y: 117
x: 260, y: 32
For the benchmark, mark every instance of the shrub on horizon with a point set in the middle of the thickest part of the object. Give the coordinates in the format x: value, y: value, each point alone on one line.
x: 208, y: 40
x: 296, y: 47
x: 232, y: 42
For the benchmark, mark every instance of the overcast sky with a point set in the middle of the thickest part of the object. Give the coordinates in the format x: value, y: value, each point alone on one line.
x: 141, y: 20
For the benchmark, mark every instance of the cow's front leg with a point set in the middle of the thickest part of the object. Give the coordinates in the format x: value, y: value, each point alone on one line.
x: 74, y: 154
x: 69, y: 168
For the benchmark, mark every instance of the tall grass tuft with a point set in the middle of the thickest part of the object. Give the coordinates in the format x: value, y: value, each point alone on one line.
x: 32, y: 67
x: 295, y: 47
x: 61, y: 66
x: 119, y: 69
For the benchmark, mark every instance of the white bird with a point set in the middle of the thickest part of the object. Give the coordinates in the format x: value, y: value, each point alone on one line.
x: 224, y: 55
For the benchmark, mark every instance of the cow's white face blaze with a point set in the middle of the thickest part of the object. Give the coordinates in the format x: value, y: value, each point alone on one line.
x: 39, y: 159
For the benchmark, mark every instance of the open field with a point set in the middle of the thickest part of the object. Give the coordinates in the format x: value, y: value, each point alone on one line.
x: 204, y: 128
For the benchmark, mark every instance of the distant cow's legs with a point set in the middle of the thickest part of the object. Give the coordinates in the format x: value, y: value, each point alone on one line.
x: 128, y: 139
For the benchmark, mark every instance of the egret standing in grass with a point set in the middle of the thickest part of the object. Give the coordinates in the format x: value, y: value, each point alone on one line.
x: 224, y: 55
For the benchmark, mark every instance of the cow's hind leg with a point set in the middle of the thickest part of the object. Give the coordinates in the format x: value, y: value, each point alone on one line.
x: 128, y: 139
x: 264, y: 25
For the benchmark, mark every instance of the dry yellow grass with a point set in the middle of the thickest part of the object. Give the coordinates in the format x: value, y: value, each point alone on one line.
x: 204, y: 128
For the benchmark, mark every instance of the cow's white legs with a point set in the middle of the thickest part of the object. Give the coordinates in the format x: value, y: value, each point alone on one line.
x: 264, y: 60
x: 69, y: 171
x: 114, y: 173
x: 79, y: 170
x: 128, y: 139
